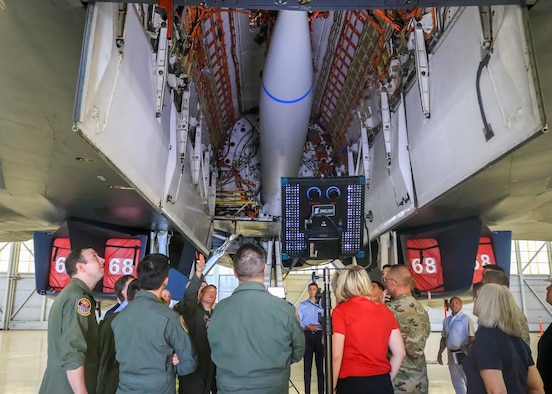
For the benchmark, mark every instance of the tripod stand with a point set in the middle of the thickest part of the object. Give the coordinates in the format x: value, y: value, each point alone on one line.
x: 328, y: 331
x: 291, y: 384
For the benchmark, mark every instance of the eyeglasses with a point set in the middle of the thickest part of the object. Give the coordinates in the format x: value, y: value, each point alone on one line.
x: 388, y: 279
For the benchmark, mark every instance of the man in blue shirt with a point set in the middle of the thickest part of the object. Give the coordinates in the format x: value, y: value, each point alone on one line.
x: 308, y: 314
x: 457, y: 334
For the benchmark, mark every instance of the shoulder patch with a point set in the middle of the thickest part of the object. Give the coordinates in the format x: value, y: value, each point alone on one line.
x: 84, y: 307
x: 183, y: 324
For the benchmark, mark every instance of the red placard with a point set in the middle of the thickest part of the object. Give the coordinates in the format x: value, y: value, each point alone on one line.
x: 485, y: 255
x: 424, y: 261
x: 121, y: 258
x: 58, y: 278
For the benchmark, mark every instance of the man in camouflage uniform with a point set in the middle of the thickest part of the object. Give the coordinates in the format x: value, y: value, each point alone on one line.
x: 414, y: 326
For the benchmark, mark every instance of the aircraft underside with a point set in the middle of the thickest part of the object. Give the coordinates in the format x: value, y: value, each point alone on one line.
x: 205, y: 110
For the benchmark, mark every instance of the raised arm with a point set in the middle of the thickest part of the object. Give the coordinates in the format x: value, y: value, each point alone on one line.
x: 189, y: 298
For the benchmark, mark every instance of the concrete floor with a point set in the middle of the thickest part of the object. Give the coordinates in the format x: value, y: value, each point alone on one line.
x: 23, y: 360
x: 438, y: 375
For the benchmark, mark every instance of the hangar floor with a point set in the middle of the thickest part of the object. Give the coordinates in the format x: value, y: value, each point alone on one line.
x: 23, y: 360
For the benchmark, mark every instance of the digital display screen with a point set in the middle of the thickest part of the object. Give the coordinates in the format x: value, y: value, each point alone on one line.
x: 322, y: 218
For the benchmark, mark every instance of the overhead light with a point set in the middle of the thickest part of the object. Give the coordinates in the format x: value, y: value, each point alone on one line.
x: 2, y: 183
x: 84, y: 159
x: 101, y: 178
x: 120, y: 187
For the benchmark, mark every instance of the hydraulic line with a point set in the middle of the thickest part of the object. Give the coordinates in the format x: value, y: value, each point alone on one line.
x: 487, y: 130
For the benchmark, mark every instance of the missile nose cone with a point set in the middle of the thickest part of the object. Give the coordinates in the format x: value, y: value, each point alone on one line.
x: 285, y: 104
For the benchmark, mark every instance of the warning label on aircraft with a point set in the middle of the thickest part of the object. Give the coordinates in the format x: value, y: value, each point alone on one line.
x: 323, y: 210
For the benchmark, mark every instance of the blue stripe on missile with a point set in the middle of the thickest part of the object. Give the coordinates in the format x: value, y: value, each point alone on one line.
x: 287, y: 101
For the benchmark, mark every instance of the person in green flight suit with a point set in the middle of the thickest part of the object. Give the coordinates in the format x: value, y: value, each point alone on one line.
x: 196, y: 307
x: 72, y: 365
x: 108, y: 375
x: 254, y: 336
x: 151, y: 341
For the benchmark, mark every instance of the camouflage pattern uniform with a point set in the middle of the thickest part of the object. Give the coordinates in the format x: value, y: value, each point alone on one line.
x: 414, y: 325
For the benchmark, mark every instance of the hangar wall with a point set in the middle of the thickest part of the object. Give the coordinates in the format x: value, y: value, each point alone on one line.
x: 22, y: 308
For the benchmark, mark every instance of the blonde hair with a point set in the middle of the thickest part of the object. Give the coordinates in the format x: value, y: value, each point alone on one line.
x: 353, y: 282
x: 496, y: 307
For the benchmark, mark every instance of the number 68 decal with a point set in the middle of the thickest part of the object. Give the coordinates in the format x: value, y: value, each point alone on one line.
x: 428, y: 265
x: 485, y: 260
x: 60, y: 265
x: 121, y: 266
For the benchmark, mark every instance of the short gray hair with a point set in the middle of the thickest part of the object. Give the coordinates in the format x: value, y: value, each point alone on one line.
x: 494, y: 276
x: 249, y: 262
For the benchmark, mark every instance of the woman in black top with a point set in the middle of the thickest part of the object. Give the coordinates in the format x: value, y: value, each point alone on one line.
x: 499, y: 361
x: 544, y: 360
